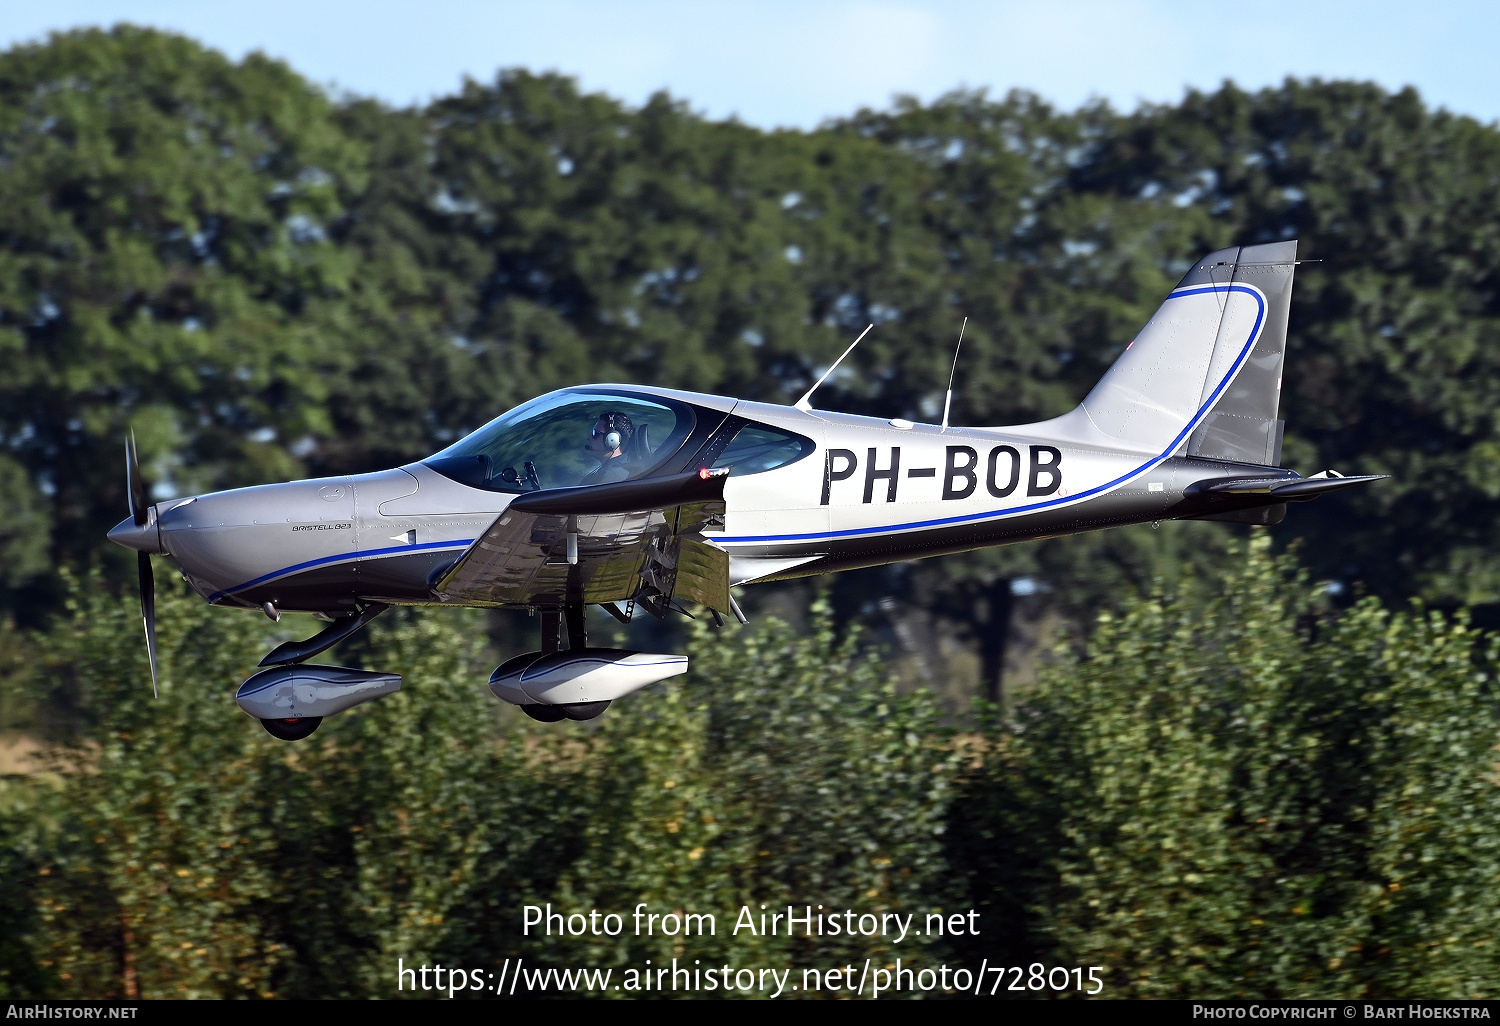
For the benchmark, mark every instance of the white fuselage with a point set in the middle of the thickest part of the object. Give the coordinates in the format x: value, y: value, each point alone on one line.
x: 872, y: 491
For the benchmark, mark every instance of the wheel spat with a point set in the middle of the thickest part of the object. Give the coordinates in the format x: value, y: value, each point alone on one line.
x: 291, y: 730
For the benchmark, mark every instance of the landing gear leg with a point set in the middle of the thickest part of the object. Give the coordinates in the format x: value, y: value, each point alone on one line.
x: 578, y: 635
x: 549, y: 631
x: 578, y: 639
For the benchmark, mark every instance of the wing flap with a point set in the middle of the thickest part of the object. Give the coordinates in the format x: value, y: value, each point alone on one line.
x: 703, y: 574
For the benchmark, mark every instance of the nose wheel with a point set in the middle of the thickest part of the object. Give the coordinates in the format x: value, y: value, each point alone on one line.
x: 292, y: 730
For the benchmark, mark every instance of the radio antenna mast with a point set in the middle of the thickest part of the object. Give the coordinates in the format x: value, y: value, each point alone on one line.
x: 948, y: 400
x: 804, y: 404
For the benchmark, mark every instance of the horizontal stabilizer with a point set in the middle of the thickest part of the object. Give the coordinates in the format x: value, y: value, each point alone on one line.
x: 1312, y: 487
x: 1280, y: 489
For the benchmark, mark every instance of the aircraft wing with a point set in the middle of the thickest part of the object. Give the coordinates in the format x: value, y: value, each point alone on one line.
x: 599, y: 543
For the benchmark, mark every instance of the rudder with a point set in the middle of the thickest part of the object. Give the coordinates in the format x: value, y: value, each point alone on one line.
x: 1243, y: 425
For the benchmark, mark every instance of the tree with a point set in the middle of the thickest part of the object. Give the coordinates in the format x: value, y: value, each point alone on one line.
x: 164, y: 215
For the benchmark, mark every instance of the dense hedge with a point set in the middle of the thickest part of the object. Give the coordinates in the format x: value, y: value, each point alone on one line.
x: 1259, y: 796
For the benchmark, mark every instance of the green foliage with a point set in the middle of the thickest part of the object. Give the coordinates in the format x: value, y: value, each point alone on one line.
x: 1256, y: 798
x: 178, y: 850
x: 1252, y: 796
x: 1258, y: 795
x: 786, y: 772
x: 164, y: 215
x: 190, y: 854
x: 26, y: 526
x: 21, y: 976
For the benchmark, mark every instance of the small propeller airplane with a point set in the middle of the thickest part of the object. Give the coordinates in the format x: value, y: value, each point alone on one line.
x: 630, y: 498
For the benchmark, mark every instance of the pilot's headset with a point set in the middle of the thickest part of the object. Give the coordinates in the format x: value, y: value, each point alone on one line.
x: 617, y: 430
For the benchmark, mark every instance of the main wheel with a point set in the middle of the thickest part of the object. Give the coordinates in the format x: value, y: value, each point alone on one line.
x: 584, y: 710
x: 291, y: 730
x: 544, y: 713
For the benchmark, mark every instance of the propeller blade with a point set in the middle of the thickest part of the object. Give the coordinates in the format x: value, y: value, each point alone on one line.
x: 135, y: 485
x: 148, y: 613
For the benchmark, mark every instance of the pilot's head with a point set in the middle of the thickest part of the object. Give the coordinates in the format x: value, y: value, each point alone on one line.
x: 611, y: 435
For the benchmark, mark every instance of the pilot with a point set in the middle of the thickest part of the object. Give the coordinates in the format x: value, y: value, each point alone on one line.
x: 608, y: 443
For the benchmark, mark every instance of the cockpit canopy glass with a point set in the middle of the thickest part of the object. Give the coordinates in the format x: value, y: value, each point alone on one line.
x: 758, y: 448
x: 568, y: 438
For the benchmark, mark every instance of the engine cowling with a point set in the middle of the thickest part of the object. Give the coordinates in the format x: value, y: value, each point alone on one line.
x: 302, y: 691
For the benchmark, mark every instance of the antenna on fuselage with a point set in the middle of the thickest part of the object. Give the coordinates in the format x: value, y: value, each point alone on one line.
x: 948, y: 399
x: 804, y: 404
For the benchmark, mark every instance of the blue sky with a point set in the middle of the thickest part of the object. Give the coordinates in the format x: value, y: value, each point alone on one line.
x: 774, y: 62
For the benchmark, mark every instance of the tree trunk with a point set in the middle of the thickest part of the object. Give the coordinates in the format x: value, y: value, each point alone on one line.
x: 994, y: 637
x: 127, y: 975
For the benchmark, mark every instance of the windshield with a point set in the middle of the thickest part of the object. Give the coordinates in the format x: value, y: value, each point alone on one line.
x: 566, y: 439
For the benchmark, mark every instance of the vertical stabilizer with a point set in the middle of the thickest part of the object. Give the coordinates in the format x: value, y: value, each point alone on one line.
x: 1203, y: 377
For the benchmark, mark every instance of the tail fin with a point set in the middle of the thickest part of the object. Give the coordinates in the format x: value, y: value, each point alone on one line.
x: 1203, y: 377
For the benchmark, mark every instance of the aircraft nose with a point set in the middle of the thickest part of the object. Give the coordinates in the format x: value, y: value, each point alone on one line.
x: 141, y: 537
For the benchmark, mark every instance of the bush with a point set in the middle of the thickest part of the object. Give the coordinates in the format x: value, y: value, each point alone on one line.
x: 1251, y: 796
x: 1254, y: 798
x: 181, y: 851
x: 788, y: 771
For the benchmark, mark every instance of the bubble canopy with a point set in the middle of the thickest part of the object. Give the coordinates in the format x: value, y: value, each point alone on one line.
x: 563, y: 439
